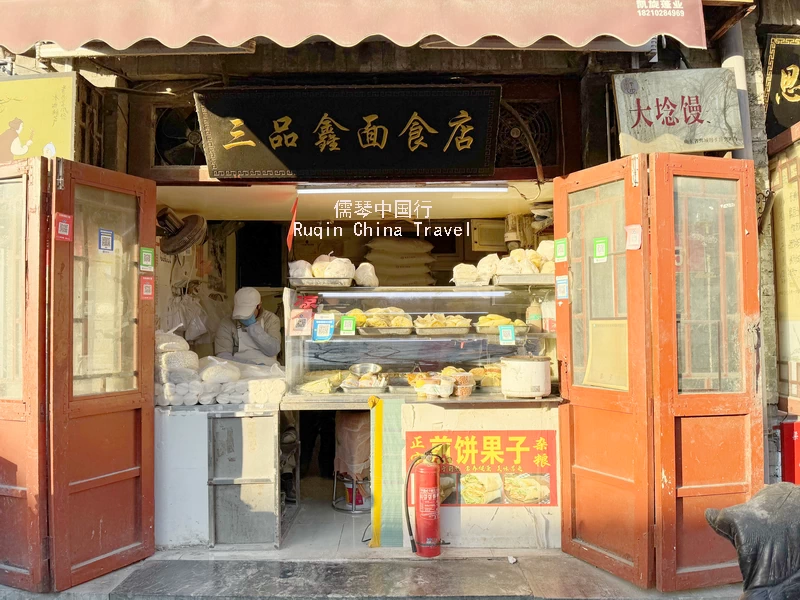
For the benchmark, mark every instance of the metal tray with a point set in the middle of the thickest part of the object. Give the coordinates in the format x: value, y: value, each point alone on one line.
x: 434, y: 331
x: 543, y: 279
x: 363, y: 390
x: 334, y: 282
x: 493, y: 329
x: 402, y: 389
x: 385, y: 330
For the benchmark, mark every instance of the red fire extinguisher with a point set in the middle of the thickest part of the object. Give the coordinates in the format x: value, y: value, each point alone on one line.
x: 428, y: 540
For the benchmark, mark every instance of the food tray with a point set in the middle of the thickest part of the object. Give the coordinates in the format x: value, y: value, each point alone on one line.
x: 332, y: 282
x: 442, y: 330
x: 493, y: 329
x: 363, y: 390
x: 385, y: 330
x: 402, y: 389
x: 526, y: 279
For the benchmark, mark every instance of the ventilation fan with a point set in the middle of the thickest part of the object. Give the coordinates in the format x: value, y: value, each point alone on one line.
x: 512, y: 150
x: 178, y: 138
x: 180, y: 234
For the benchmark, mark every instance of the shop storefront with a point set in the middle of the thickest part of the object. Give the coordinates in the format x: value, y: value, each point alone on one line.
x: 567, y: 373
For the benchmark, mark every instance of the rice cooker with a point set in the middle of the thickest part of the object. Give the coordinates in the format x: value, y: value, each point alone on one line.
x: 525, y: 376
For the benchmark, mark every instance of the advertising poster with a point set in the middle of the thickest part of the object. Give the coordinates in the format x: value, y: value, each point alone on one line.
x: 37, y: 116
x: 491, y: 468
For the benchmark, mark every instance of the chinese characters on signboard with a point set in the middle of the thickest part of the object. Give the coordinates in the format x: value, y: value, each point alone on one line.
x: 691, y: 110
x: 340, y: 132
x: 782, y: 86
x: 497, y: 468
x: 659, y: 8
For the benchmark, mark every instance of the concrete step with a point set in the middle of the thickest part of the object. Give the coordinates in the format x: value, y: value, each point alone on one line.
x: 550, y: 577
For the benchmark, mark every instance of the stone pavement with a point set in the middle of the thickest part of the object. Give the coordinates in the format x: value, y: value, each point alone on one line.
x: 545, y: 576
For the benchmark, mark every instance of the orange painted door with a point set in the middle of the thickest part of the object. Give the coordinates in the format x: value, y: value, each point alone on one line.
x: 101, y: 375
x: 603, y: 346
x: 23, y: 454
x: 708, y: 416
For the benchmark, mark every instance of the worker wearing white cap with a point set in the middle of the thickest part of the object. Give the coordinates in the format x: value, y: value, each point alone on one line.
x: 252, y: 335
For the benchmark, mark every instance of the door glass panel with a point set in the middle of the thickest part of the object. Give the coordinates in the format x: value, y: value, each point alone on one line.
x: 12, y: 276
x: 599, y: 291
x: 708, y: 269
x: 105, y: 275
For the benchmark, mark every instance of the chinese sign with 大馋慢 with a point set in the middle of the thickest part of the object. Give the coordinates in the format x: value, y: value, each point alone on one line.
x: 350, y: 132
x: 693, y: 110
x: 497, y: 468
x: 782, y: 86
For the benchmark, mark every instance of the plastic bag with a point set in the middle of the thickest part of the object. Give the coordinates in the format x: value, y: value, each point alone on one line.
x: 547, y: 249
x: 172, y: 320
x: 365, y: 275
x: 194, y: 317
x: 508, y: 266
x: 340, y: 268
x: 176, y: 375
x: 219, y: 371
x: 465, y: 274
x: 206, y: 399
x: 549, y: 267
x: 260, y: 371
x: 178, y: 360
x: 300, y: 269
x: 169, y: 341
x: 216, y: 306
x: 320, y: 264
x: 487, y: 266
x: 352, y: 443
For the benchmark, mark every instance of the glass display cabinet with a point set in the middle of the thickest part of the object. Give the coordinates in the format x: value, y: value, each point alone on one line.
x: 409, y: 330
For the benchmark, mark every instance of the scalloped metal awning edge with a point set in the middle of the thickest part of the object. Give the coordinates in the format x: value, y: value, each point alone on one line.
x: 175, y: 23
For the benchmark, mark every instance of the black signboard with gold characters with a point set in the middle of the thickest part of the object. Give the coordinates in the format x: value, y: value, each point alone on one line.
x: 783, y: 83
x: 410, y: 132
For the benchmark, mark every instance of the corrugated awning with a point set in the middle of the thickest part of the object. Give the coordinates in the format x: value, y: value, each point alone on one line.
x: 174, y: 23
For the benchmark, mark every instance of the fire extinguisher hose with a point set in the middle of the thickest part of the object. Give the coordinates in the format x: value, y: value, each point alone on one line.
x: 427, y: 455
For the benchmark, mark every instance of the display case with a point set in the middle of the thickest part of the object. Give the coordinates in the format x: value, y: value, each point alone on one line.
x: 395, y: 329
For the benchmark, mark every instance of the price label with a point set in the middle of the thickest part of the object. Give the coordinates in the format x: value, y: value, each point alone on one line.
x: 507, y: 334
x: 347, y: 326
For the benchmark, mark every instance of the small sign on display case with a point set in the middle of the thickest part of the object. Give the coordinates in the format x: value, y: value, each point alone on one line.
x: 148, y: 287
x: 147, y: 259
x: 300, y: 321
x: 347, y: 326
x: 560, y: 250
x: 322, y: 329
x: 601, y: 250
x: 105, y: 241
x: 63, y: 227
x: 507, y: 334
x: 562, y: 287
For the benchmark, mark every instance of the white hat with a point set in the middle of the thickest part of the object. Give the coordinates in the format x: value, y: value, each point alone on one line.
x: 245, y: 302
